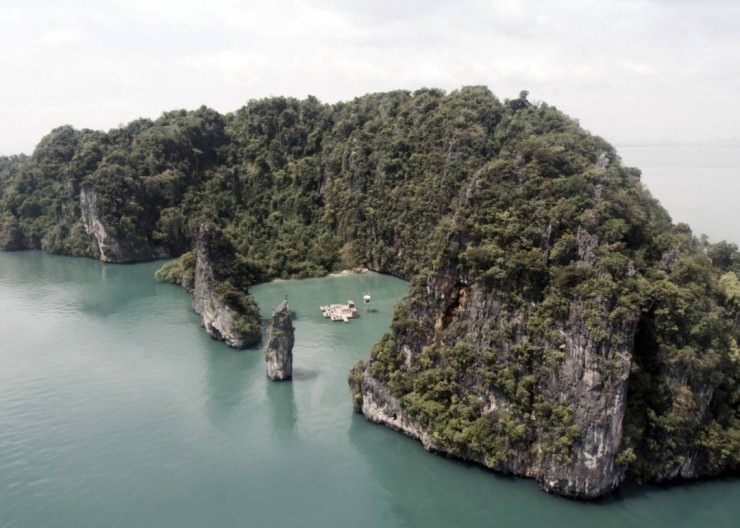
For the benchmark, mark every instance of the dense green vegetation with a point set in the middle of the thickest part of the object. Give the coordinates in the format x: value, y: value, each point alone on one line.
x: 299, y: 187
x: 517, y: 227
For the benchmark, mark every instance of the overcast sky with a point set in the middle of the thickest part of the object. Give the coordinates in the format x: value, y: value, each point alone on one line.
x: 630, y: 71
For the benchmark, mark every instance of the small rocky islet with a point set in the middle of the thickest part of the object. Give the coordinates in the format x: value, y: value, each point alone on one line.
x: 279, y: 349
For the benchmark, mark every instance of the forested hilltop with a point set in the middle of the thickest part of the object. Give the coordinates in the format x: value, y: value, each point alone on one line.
x: 558, y: 325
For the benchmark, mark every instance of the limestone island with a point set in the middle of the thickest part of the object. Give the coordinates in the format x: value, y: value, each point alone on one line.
x: 558, y: 325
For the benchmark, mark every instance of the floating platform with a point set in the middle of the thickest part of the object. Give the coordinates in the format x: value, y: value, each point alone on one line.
x: 340, y: 312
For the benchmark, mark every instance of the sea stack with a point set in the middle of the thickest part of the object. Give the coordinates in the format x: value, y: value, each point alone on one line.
x: 279, y: 351
x: 229, y: 313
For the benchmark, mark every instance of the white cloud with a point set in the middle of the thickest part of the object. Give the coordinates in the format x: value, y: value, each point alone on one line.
x: 627, y: 69
x: 62, y: 37
x: 229, y: 65
x: 638, y: 68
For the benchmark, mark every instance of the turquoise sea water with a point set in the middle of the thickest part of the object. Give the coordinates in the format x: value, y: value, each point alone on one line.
x: 116, y: 410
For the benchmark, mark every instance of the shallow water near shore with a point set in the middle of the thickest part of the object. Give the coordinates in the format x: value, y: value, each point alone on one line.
x: 117, y: 410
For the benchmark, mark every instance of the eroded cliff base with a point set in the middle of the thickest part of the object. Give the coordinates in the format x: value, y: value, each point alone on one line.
x: 229, y: 313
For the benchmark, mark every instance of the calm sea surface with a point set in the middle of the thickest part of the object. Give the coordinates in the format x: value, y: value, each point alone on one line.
x: 697, y: 185
x: 116, y: 410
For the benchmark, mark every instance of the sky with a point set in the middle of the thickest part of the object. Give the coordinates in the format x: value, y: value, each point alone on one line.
x: 631, y: 71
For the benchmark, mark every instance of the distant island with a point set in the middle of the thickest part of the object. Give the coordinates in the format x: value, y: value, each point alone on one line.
x: 558, y: 325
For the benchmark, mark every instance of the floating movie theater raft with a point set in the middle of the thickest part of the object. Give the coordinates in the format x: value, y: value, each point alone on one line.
x: 340, y: 312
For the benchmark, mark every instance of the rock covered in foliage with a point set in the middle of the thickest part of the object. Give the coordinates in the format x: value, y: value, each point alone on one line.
x: 229, y: 314
x: 106, y: 246
x: 279, y: 350
x: 558, y: 325
x: 11, y: 237
x: 544, y: 341
x: 569, y: 432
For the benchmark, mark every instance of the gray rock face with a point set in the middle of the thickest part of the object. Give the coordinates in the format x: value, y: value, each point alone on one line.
x: 107, y: 247
x: 549, y: 392
x: 279, y: 351
x: 222, y: 321
x: 590, y: 380
x: 379, y: 406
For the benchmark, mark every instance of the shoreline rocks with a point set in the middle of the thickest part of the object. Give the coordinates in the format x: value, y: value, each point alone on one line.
x: 229, y: 314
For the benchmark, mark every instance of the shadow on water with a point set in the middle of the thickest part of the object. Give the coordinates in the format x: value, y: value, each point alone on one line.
x: 72, y: 284
x: 283, y: 412
x: 631, y: 490
x: 303, y: 374
x: 409, y: 476
x: 228, y: 375
x: 428, y: 490
x: 37, y: 267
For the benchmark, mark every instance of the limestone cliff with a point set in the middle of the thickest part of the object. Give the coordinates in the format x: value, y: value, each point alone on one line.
x: 107, y: 246
x: 378, y: 405
x: 525, y: 361
x: 560, y: 422
x: 229, y: 313
x: 279, y: 350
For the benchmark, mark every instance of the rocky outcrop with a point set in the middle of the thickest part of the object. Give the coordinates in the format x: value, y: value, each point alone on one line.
x: 557, y: 357
x: 592, y: 379
x: 532, y: 384
x: 571, y: 436
x: 279, y: 350
x: 11, y: 236
x: 229, y: 314
x: 379, y: 406
x: 107, y: 248
x: 110, y: 248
